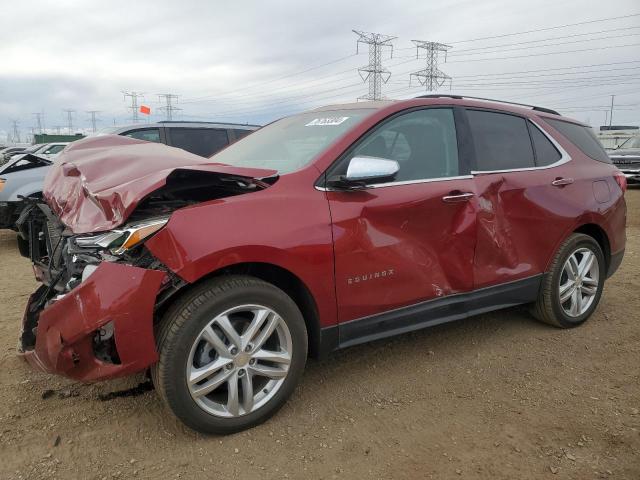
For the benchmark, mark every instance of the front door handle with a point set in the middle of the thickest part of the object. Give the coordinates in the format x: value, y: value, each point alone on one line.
x: 561, y: 182
x: 455, y: 196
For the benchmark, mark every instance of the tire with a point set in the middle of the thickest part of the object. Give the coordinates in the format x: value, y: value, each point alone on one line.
x: 548, y: 307
x: 192, y: 327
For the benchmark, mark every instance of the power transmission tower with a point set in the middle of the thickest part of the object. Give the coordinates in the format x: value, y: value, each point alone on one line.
x: 93, y: 119
x: 69, y: 120
x: 39, y: 122
x: 57, y: 129
x: 169, y: 108
x: 375, y: 73
x: 15, y: 135
x: 134, y: 103
x: 431, y: 77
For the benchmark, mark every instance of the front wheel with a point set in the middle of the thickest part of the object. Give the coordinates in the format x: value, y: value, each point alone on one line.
x: 231, y: 353
x: 572, y: 288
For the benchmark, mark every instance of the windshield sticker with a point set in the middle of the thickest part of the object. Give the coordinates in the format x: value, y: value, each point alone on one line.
x: 321, y: 122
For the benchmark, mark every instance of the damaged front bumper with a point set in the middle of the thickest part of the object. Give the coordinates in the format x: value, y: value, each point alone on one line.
x: 93, y: 316
x: 101, y: 329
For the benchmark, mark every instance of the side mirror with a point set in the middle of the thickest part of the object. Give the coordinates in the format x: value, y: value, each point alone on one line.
x: 364, y: 170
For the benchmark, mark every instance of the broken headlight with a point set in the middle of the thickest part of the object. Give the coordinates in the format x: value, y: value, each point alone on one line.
x: 122, y: 239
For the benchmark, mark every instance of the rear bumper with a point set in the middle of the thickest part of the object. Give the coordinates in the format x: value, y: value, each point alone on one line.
x: 60, y: 337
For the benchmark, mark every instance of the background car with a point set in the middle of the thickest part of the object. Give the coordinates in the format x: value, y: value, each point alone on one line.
x: 201, y: 138
x: 23, y: 176
x: 627, y: 158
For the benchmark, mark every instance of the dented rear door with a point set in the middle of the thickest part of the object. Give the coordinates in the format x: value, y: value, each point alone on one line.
x: 522, y: 216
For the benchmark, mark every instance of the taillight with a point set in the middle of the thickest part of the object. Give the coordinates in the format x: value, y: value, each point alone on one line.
x: 621, y: 180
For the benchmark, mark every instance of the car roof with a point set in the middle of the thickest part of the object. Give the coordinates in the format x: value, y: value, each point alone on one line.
x: 435, y: 99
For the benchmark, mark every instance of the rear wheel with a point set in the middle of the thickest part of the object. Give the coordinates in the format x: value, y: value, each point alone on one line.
x: 231, y: 353
x: 570, y: 292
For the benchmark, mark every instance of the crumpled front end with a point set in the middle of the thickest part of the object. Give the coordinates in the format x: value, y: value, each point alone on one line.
x: 92, y: 318
x: 101, y: 329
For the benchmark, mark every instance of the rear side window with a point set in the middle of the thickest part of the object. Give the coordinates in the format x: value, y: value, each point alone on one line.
x: 148, y: 134
x: 501, y: 141
x: 201, y: 141
x: 546, y: 152
x: 581, y: 137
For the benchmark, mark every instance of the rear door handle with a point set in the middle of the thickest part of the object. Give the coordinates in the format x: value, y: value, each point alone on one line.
x: 560, y: 182
x: 454, y: 197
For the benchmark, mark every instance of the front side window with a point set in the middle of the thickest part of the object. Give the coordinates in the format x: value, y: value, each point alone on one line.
x: 201, y: 141
x: 501, y: 141
x: 148, y: 134
x: 423, y: 142
x: 293, y: 142
x: 582, y: 137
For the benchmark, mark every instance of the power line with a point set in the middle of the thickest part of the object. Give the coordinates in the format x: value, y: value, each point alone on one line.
x: 548, y: 28
x: 134, y: 103
x: 93, y: 119
x: 547, y: 53
x: 548, y: 39
x: 431, y: 76
x: 195, y: 99
x: 501, y: 50
x: 169, y: 108
x: 374, y: 72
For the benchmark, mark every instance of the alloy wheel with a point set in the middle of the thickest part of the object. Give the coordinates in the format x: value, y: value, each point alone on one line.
x: 579, y: 282
x: 239, y: 361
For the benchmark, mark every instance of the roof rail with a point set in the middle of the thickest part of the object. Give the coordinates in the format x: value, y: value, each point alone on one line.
x: 461, y: 97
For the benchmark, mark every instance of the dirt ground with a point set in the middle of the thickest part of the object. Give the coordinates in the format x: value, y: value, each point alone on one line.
x: 498, y: 396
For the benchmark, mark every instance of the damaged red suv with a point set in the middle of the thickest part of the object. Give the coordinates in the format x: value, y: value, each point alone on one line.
x: 320, y: 231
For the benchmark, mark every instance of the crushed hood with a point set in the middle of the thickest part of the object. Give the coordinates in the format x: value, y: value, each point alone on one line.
x: 96, y: 183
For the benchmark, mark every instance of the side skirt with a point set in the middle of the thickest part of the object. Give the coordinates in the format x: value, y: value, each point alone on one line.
x: 430, y: 313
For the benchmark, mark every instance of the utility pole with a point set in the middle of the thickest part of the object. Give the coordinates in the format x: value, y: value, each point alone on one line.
x: 15, y: 136
x: 39, y: 121
x: 611, y: 111
x: 431, y: 77
x: 134, y: 103
x: 93, y: 119
x: 375, y: 73
x: 69, y: 120
x: 169, y: 108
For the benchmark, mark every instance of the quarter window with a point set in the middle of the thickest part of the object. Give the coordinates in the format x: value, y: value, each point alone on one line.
x: 581, y: 137
x: 423, y: 143
x: 546, y: 152
x: 201, y: 141
x: 501, y: 141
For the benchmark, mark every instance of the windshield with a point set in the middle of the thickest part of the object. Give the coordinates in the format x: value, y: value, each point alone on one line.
x: 291, y: 143
x: 633, y: 142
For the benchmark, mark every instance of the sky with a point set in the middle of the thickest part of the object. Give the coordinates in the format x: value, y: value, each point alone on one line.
x: 255, y: 61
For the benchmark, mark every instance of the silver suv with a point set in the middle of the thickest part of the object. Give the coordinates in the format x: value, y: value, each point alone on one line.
x: 23, y: 177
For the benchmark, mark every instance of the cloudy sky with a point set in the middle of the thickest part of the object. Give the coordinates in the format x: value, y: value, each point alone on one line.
x: 254, y: 61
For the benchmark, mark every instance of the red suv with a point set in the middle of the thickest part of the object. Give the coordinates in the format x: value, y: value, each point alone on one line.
x: 320, y: 231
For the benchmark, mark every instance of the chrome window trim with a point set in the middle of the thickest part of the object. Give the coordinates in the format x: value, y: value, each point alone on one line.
x: 394, y: 184
x: 564, y: 157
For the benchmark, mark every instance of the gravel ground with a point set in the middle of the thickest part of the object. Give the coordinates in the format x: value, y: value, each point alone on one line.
x: 498, y: 396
